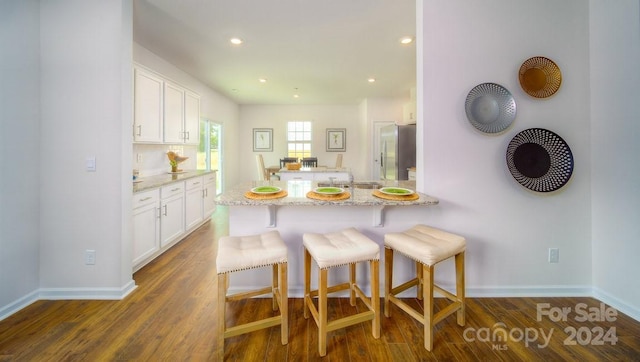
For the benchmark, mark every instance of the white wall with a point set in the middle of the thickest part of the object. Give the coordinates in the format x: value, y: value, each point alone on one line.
x: 615, y: 115
x: 508, y: 228
x: 277, y: 116
x: 19, y: 145
x: 84, y: 80
x: 213, y: 106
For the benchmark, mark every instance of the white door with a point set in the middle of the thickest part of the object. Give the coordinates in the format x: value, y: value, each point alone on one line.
x: 377, y: 150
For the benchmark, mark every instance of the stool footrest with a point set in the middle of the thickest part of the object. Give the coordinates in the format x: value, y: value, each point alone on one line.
x: 407, y: 308
x: 249, y: 294
x: 447, y: 311
x: 402, y: 287
x: 452, y: 297
x: 332, y: 289
x: 350, y: 320
x: 252, y: 326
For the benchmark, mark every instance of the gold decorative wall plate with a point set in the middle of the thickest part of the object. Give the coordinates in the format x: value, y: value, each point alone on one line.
x: 540, y: 77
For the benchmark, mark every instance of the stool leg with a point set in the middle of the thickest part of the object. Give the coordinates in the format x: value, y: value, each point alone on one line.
x: 352, y: 282
x: 428, y: 306
x: 460, y: 288
x: 420, y: 279
x: 322, y: 313
x: 222, y: 304
x: 388, y: 279
x: 284, y: 304
x: 375, y: 298
x: 274, y: 286
x: 307, y: 282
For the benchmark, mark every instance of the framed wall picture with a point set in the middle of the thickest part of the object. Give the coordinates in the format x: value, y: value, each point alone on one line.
x: 263, y: 140
x: 336, y: 139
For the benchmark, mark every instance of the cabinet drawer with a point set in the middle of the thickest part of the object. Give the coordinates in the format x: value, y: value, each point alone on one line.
x: 194, y: 183
x: 209, y: 178
x: 175, y: 188
x: 145, y: 198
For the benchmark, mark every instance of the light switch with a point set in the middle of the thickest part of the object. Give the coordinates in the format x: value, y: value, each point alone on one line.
x: 91, y: 164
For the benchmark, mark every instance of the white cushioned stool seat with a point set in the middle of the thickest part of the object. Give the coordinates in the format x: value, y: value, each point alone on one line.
x: 345, y: 247
x: 340, y: 248
x: 237, y: 253
x: 426, y: 244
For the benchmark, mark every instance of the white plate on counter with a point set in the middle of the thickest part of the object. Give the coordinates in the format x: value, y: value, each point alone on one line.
x: 265, y: 190
x: 397, y: 191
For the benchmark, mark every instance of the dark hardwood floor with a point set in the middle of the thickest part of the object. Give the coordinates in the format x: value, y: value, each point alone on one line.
x: 172, y: 316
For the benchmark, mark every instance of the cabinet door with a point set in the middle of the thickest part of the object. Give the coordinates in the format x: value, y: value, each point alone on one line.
x: 173, y: 113
x: 146, y: 232
x: 171, y: 219
x: 193, y: 205
x: 209, y: 194
x: 191, y: 118
x: 148, y: 107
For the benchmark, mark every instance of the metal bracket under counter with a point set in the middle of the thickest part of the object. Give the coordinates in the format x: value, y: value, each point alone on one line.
x: 378, y: 216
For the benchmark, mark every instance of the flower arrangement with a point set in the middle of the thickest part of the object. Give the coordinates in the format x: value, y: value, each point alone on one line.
x: 174, y: 160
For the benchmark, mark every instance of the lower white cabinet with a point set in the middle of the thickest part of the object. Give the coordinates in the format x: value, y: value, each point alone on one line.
x: 146, y: 225
x: 171, y: 212
x: 209, y: 195
x: 193, y: 202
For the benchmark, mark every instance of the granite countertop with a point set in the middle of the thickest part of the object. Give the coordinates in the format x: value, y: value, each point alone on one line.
x: 155, y: 181
x: 297, y: 190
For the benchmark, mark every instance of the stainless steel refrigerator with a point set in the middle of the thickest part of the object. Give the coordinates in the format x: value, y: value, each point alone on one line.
x: 397, y: 151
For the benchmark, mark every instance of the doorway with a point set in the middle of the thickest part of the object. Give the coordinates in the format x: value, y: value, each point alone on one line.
x: 210, y: 150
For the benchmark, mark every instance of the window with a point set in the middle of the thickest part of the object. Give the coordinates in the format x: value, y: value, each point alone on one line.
x: 299, y: 139
x: 210, y: 150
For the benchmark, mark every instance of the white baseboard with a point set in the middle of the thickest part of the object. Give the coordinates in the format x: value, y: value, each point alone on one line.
x: 616, y: 303
x: 19, y: 304
x: 67, y: 294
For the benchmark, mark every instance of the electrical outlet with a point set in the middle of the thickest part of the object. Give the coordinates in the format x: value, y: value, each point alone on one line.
x: 554, y: 255
x: 90, y: 257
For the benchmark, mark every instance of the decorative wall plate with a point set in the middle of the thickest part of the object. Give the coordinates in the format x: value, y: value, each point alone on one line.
x: 540, y: 77
x: 490, y: 107
x: 540, y: 160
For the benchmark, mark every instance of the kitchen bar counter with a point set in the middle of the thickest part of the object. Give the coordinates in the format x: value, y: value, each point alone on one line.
x: 155, y: 181
x: 297, y: 191
x: 294, y: 215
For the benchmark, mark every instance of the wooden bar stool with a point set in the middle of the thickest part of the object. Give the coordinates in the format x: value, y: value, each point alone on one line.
x: 346, y: 247
x: 236, y: 253
x: 427, y: 246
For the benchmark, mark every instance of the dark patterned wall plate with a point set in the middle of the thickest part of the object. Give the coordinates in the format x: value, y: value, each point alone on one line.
x: 490, y: 107
x: 540, y: 77
x: 539, y: 160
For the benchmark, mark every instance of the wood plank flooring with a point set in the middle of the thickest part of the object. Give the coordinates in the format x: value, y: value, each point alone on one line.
x: 172, y: 317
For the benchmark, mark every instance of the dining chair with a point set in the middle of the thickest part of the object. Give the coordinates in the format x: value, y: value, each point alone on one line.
x: 339, y: 160
x: 310, y: 162
x: 263, y: 174
x: 284, y: 161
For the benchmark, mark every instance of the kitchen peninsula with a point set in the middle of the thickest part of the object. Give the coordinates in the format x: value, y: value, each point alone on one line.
x: 296, y: 214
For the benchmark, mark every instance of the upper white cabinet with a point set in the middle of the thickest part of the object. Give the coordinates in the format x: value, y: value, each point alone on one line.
x: 148, y: 107
x: 165, y: 112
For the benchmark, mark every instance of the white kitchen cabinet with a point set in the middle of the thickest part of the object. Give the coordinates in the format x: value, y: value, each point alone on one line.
x: 148, y: 107
x: 172, y: 212
x: 209, y: 195
x: 146, y: 225
x: 193, y: 202
x: 191, y: 118
x: 311, y: 175
x: 173, y: 113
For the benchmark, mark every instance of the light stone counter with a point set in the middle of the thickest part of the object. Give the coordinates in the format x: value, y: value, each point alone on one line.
x: 297, y: 191
x: 151, y: 182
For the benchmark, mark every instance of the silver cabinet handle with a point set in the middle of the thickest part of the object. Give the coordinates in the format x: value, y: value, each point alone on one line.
x: 145, y: 199
x: 176, y: 189
x: 165, y: 210
x: 139, y: 130
x: 157, y: 212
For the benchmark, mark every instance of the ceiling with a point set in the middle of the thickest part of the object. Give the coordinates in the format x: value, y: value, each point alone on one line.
x: 322, y: 50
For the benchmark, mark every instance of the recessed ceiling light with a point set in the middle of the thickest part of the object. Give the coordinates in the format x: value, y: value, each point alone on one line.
x: 406, y: 40
x: 262, y: 80
x: 371, y: 80
x: 296, y: 96
x: 235, y: 41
